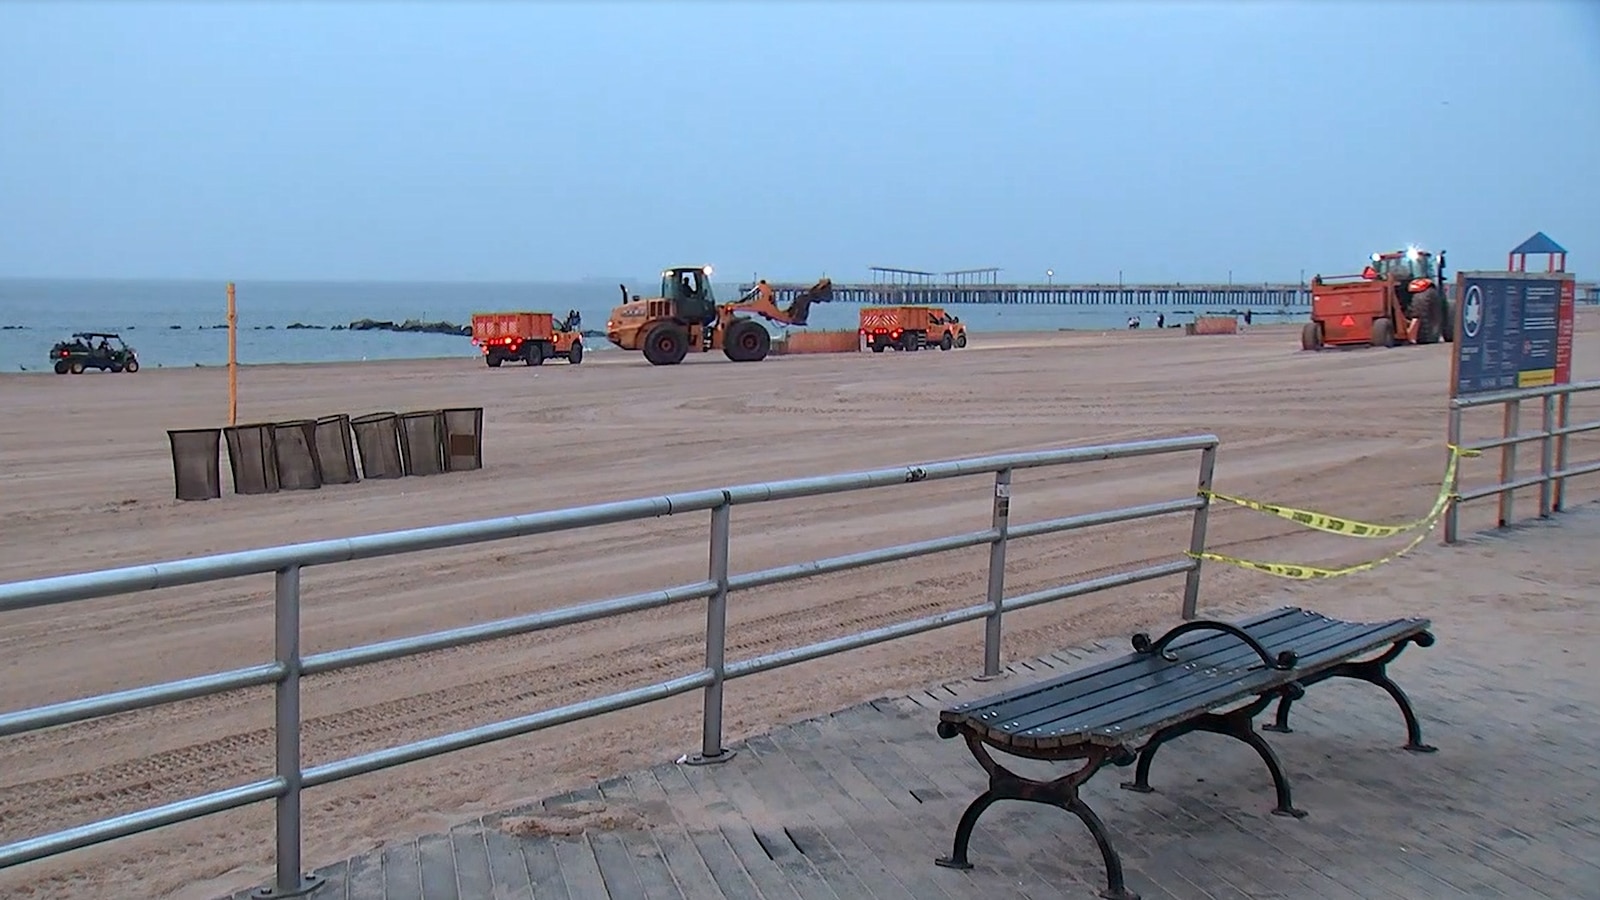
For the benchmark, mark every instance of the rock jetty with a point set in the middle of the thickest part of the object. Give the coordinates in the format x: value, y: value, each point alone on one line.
x: 411, y: 326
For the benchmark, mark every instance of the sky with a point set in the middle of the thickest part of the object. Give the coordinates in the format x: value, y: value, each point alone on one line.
x: 546, y: 141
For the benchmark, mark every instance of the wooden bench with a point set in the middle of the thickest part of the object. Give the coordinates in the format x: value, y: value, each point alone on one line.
x: 1122, y: 711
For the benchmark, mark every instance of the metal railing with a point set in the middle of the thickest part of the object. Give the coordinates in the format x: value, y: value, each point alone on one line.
x: 1555, y: 427
x: 289, y: 666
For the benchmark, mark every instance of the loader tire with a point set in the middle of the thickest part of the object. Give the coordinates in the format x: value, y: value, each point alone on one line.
x: 666, y: 345
x: 1427, y: 307
x: 747, y: 341
x: 946, y: 342
x: 1311, y: 336
x: 575, y: 355
x: 1382, y: 333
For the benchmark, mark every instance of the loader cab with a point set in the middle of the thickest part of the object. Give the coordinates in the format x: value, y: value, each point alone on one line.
x: 1405, y: 265
x: 689, y: 289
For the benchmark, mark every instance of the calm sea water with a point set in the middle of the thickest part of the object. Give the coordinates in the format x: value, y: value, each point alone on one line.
x: 174, y: 323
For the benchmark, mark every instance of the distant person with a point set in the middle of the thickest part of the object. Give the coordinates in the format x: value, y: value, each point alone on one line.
x: 1161, y: 320
x: 1247, y: 316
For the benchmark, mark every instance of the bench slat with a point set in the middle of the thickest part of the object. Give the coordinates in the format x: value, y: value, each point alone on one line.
x: 1133, y: 666
x: 1118, y: 701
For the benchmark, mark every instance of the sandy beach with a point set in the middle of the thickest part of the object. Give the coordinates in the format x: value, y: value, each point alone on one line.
x: 86, y: 483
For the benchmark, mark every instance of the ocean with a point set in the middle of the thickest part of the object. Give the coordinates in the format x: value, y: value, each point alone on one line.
x: 183, y: 323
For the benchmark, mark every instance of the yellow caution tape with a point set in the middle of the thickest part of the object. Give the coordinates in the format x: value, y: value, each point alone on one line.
x: 1351, y: 528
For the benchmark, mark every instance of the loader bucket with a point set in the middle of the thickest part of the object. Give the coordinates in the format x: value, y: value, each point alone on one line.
x: 800, y: 309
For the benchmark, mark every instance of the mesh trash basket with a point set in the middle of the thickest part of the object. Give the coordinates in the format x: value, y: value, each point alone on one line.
x: 422, y: 441
x: 296, y: 446
x: 336, y: 453
x: 252, y: 458
x: 378, y: 438
x: 196, y: 463
x: 463, y: 439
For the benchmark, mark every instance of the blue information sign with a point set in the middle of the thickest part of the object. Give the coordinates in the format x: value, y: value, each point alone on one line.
x: 1513, y: 330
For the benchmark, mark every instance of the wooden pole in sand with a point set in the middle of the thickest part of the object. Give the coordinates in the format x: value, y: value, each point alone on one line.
x: 233, y: 359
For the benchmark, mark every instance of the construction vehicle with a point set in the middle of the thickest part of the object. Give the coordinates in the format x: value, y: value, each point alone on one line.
x: 911, y: 328
x: 531, y: 337
x: 1398, y: 299
x: 687, y: 317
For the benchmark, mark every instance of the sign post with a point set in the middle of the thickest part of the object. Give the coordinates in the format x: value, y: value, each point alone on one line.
x: 233, y: 359
x: 1513, y: 331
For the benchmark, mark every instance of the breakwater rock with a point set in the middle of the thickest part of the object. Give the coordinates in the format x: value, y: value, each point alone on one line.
x: 411, y: 326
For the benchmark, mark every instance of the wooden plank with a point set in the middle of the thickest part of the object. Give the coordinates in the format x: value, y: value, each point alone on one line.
x: 363, y: 877
x: 649, y: 863
x: 885, y: 824
x: 616, y: 866
x: 767, y: 817
x: 708, y: 841
x: 474, y: 878
x: 580, y: 871
x: 688, y: 870
x: 508, y: 871
x: 437, y: 860
x: 402, y: 876
x: 543, y: 868
x: 879, y: 769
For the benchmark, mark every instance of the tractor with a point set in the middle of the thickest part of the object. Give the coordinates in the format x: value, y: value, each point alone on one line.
x: 1398, y: 299
x: 686, y: 316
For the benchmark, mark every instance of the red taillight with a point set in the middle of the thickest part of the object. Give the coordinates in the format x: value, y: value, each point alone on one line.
x: 65, y: 354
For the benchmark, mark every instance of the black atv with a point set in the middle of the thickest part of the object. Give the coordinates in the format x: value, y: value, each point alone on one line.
x: 93, y: 350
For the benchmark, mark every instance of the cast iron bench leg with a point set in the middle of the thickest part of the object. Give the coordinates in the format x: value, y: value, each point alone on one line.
x: 1062, y: 793
x: 1372, y: 671
x: 1237, y: 724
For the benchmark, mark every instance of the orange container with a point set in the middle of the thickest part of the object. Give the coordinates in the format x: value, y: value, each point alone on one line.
x: 1213, y: 325
x: 821, y: 342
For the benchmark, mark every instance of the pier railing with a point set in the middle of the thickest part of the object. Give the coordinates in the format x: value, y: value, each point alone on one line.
x: 288, y: 666
x: 1554, y: 467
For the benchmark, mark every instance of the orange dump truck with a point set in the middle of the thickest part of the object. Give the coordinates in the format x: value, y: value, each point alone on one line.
x: 531, y: 337
x: 910, y: 328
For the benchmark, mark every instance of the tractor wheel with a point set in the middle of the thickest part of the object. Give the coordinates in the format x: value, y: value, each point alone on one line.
x: 575, y: 355
x: 1427, y: 307
x: 492, y: 360
x: 1382, y: 333
x: 747, y: 341
x: 946, y: 342
x: 131, y: 366
x: 61, y: 367
x: 76, y: 368
x: 533, y: 354
x: 1311, y: 336
x: 666, y: 345
x: 961, y: 340
x: 1447, y: 321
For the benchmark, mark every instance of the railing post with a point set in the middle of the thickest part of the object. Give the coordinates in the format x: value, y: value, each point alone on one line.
x: 711, y: 749
x: 1546, y: 453
x: 1559, y: 494
x: 997, y: 574
x: 289, y: 880
x: 1451, y: 512
x: 1508, y: 459
x: 1197, y: 533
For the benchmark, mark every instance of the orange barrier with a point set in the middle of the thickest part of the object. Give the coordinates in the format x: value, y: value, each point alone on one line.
x: 819, y: 342
x: 1212, y: 325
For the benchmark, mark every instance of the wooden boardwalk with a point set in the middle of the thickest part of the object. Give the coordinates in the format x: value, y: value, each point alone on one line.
x: 858, y: 804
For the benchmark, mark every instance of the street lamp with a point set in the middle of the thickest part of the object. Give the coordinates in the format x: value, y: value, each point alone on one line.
x: 1049, y: 276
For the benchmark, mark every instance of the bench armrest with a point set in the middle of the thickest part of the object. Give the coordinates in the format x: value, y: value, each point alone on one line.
x: 1287, y: 659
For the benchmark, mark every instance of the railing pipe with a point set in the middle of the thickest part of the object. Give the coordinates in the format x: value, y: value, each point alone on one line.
x: 999, y: 524
x: 1197, y: 531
